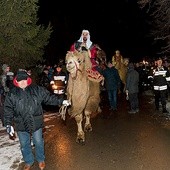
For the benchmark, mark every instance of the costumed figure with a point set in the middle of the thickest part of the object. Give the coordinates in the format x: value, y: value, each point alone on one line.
x: 84, y: 43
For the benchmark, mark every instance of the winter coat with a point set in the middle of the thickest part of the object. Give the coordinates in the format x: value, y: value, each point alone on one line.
x: 44, y: 81
x: 112, y: 78
x: 132, y: 81
x: 160, y: 77
x: 7, y: 81
x: 59, y: 79
x: 24, y: 107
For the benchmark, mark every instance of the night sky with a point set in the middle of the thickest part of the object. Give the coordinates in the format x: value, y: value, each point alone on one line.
x: 118, y: 24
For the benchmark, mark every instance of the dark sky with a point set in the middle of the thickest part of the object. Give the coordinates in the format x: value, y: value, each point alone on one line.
x: 118, y: 24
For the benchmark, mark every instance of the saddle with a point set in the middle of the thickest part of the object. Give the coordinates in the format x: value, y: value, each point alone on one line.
x: 94, y: 75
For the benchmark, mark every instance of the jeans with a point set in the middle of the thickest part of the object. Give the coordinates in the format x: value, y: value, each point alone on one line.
x: 134, y: 102
x: 112, y: 96
x: 26, y: 148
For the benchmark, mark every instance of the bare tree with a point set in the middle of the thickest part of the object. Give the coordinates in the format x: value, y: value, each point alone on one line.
x: 159, y: 11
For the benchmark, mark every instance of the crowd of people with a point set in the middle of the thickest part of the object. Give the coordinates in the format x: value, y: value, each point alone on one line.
x: 22, y: 100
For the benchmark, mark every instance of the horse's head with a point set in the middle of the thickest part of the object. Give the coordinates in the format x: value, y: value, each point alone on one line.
x: 74, y: 62
x: 126, y: 61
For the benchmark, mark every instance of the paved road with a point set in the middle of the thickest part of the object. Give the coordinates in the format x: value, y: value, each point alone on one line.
x: 117, y: 142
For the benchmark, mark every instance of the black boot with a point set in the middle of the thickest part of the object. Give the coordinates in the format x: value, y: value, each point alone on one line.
x: 157, y: 107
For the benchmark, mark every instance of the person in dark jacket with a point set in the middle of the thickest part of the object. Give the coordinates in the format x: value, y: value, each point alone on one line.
x: 44, y: 79
x: 160, y: 76
x: 112, y: 83
x: 132, y: 88
x: 6, y: 78
x: 59, y: 81
x: 23, y: 112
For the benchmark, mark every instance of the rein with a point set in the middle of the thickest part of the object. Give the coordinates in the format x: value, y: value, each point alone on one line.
x: 62, y: 112
x: 77, y: 66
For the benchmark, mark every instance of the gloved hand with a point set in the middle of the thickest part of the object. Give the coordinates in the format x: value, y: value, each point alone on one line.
x: 10, y: 130
x: 66, y: 103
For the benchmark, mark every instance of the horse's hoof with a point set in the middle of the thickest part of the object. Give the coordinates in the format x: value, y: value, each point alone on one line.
x: 80, y: 141
x: 88, y: 128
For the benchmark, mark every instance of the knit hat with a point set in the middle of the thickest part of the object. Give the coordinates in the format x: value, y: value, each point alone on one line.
x: 21, y: 75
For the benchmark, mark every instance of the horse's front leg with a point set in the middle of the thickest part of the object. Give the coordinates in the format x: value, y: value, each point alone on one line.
x: 87, y: 127
x: 80, y: 133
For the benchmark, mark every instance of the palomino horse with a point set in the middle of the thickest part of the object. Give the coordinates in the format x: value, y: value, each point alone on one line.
x: 82, y: 91
x: 121, y: 65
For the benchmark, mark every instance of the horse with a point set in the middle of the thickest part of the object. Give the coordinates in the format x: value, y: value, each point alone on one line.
x: 121, y: 64
x: 83, y: 91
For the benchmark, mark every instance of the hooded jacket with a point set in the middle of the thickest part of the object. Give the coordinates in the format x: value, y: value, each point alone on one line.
x: 23, y: 107
x: 132, y: 80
